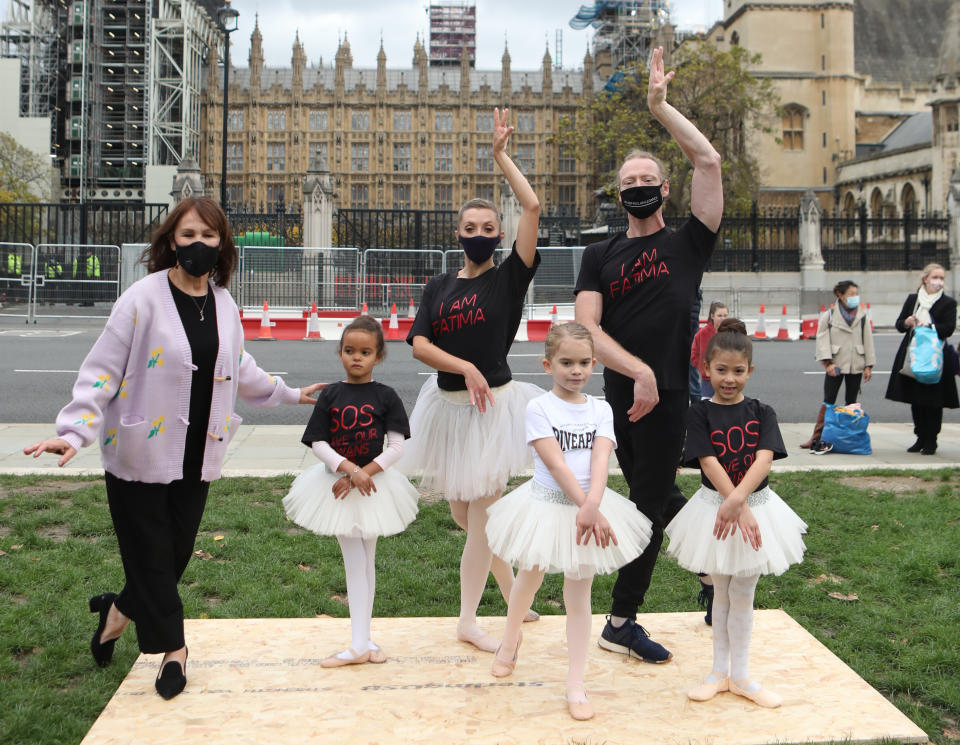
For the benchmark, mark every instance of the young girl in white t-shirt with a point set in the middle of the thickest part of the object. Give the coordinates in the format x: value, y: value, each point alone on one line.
x: 565, y: 519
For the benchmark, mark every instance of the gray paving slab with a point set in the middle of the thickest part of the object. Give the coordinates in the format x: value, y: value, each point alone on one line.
x: 271, y: 450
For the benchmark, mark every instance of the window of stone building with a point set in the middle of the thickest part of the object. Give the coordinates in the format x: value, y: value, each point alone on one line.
x: 950, y: 120
x: 401, y: 156
x: 567, y: 200
x: 360, y: 196
x: 234, y: 156
x: 485, y: 191
x: 484, y: 122
x: 793, y: 116
x: 401, y: 196
x: 443, y: 197
x: 318, y: 155
x: 485, y: 158
x: 276, y: 120
x: 402, y: 120
x: 566, y: 163
x: 274, y: 196
x: 360, y: 120
x: 360, y: 157
x: 235, y: 119
x: 275, y: 156
x: 235, y: 195
x: 443, y: 121
x: 525, y: 121
x: 318, y: 120
x: 443, y: 156
x: 525, y: 158
x: 908, y: 200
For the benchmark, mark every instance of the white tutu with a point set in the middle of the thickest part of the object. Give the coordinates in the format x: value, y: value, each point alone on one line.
x: 534, y: 526
x: 460, y: 453
x: 694, y: 547
x: 387, y: 511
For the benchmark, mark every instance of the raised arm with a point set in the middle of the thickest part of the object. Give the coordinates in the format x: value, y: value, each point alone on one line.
x: 529, y: 204
x: 706, y: 189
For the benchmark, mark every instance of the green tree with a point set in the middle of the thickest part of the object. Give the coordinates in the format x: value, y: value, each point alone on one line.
x: 712, y: 88
x: 24, y: 175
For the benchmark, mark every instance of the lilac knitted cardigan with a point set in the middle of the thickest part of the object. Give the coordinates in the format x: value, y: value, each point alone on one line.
x: 133, y: 388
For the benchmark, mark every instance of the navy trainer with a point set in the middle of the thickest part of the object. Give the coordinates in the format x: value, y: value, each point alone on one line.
x: 632, y: 640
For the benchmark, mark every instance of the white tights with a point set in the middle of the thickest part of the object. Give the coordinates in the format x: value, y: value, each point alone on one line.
x: 359, y: 564
x: 476, y: 558
x: 732, y: 625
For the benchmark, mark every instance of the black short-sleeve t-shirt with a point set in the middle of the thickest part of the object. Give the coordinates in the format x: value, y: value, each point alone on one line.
x: 354, y: 417
x: 733, y: 433
x: 475, y: 319
x: 648, y: 286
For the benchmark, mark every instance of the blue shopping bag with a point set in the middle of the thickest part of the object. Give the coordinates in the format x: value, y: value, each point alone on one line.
x: 846, y: 429
x: 924, y: 358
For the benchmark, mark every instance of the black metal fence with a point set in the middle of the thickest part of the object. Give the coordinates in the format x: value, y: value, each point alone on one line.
x: 860, y: 243
x: 113, y: 223
x: 278, y: 228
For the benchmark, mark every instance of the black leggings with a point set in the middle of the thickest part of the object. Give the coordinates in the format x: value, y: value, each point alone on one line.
x: 831, y: 387
x: 156, y: 526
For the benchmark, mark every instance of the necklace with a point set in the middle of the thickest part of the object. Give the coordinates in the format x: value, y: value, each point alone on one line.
x: 200, y: 306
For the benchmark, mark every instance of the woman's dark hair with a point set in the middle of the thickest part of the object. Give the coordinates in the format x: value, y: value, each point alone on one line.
x: 160, y: 256
x: 731, y: 336
x: 714, y: 307
x: 840, y: 288
x: 370, y: 324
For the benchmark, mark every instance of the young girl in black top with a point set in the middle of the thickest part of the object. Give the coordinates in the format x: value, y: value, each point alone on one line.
x: 733, y: 440
x: 468, y: 432
x: 357, y: 429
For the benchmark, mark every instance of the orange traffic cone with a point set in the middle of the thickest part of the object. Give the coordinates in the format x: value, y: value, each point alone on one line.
x: 823, y: 309
x: 393, y: 329
x: 761, y: 331
x: 266, y: 332
x: 553, y: 315
x: 782, y: 333
x: 363, y: 309
x: 870, y: 316
x: 313, y: 325
x: 411, y: 313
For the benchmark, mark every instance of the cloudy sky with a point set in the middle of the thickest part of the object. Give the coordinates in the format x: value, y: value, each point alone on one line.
x: 527, y: 26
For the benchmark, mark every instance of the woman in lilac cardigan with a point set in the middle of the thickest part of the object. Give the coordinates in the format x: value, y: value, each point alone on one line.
x: 158, y: 390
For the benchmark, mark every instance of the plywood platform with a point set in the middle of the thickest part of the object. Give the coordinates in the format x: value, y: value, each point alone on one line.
x: 260, y: 681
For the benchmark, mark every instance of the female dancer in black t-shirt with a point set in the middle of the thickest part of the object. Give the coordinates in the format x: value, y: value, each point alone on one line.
x: 467, y: 429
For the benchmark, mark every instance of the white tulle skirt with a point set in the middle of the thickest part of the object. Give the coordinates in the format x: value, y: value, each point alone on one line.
x: 462, y: 454
x: 694, y: 547
x: 387, y: 511
x: 535, y: 526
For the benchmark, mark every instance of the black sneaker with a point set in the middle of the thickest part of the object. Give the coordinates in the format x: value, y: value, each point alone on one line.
x: 705, y: 601
x: 632, y: 640
x: 820, y: 447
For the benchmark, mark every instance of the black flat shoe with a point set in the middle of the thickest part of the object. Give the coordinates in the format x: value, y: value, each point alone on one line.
x: 928, y: 451
x: 102, y: 653
x: 705, y: 601
x: 172, y: 679
x: 915, y: 447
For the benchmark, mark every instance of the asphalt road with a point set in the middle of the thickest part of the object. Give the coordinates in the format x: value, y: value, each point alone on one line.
x: 38, y: 365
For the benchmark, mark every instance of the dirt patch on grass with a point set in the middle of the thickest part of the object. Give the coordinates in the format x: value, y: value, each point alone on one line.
x: 258, y: 503
x: 295, y: 531
x: 4, y: 531
x: 56, y: 533
x: 901, y: 486
x: 45, y: 487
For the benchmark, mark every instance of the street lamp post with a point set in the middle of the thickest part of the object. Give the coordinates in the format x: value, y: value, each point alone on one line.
x: 227, y: 20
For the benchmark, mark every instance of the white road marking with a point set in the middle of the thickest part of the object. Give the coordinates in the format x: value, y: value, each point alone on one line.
x: 39, y: 333
x: 48, y: 371
x: 821, y: 372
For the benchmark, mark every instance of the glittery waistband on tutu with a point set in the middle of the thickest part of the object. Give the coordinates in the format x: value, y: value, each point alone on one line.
x: 545, y: 494
x: 761, y: 496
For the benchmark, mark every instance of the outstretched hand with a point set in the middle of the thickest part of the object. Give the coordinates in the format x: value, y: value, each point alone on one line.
x: 501, y: 130
x: 657, y: 90
x: 55, y: 445
x: 306, y: 393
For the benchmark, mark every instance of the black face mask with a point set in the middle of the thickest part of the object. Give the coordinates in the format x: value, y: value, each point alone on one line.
x: 479, y: 248
x: 198, y: 258
x: 641, y: 201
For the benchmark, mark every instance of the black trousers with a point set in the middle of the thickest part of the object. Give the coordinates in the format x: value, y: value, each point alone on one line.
x: 648, y: 452
x: 831, y: 387
x: 926, y: 423
x: 156, y: 526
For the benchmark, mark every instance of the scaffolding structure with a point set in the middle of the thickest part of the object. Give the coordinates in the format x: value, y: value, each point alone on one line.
x: 453, y: 27
x: 120, y: 81
x: 625, y: 29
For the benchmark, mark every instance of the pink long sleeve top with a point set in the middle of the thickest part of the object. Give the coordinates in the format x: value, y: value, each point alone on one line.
x: 133, y: 388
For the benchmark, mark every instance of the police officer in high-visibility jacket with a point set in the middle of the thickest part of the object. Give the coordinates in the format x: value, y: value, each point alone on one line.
x: 85, y: 269
x: 52, y: 270
x: 12, y: 268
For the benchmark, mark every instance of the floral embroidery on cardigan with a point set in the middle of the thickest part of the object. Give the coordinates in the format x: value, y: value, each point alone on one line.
x: 111, y: 437
x: 155, y: 359
x: 102, y: 382
x: 157, y: 427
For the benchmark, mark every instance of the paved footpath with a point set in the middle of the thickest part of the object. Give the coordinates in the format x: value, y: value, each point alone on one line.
x: 272, y: 450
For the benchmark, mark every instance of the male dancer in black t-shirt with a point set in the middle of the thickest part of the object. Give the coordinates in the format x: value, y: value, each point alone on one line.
x: 634, y: 293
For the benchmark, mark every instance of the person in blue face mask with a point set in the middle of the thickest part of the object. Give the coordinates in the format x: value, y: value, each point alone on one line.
x: 845, y: 349
x: 467, y: 428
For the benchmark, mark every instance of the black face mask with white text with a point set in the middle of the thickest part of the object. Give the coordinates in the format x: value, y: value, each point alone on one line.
x: 641, y: 201
x: 198, y: 258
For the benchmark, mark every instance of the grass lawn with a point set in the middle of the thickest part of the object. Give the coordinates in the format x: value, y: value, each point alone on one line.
x: 880, y: 585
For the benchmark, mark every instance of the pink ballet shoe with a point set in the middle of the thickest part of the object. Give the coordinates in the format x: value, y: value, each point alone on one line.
x: 357, y: 659
x: 531, y: 616
x: 377, y: 656
x: 580, y: 710
x: 761, y: 697
x: 478, y: 638
x: 708, y: 689
x: 501, y: 669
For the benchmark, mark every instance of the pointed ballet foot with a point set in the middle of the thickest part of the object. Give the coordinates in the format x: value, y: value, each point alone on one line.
x: 709, y: 688
x: 502, y: 668
x: 336, y: 661
x: 531, y: 616
x: 760, y: 696
x: 478, y: 638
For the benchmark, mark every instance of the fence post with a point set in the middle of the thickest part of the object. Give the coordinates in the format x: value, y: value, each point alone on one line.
x: 754, y: 238
x: 953, y: 228
x: 862, y: 216
x: 318, y: 209
x: 906, y: 239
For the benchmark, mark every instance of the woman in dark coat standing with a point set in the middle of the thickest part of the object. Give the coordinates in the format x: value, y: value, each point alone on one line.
x: 928, y: 306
